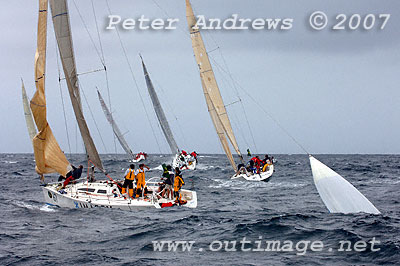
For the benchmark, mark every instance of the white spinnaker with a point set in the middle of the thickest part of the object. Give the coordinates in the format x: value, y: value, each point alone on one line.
x: 117, y: 131
x: 338, y: 195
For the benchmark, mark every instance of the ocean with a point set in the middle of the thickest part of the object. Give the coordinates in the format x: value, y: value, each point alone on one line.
x: 280, y: 222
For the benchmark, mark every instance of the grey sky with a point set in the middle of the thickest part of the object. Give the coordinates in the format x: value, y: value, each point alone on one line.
x: 335, y: 92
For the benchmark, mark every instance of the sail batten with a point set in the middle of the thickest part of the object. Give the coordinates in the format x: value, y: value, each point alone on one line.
x: 116, y: 130
x: 62, y: 29
x: 48, y: 154
x: 218, y: 112
x: 162, y: 119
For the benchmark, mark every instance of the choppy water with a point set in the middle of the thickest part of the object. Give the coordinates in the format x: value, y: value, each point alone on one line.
x: 286, y: 208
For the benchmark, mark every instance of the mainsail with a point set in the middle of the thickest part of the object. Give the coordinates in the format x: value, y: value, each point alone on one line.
x: 211, y: 91
x: 62, y: 29
x: 162, y: 119
x: 115, y: 127
x: 338, y: 195
x: 28, y: 114
x: 48, y: 155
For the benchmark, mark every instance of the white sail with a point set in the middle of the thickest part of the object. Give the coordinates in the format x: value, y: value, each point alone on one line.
x: 338, y: 195
x: 117, y: 131
x: 62, y: 29
x: 162, y: 119
x: 217, y: 109
x: 28, y: 114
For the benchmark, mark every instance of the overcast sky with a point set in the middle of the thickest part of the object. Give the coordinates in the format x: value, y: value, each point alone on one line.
x: 334, y: 91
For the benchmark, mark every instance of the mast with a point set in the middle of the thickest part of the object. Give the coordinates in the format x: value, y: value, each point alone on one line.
x: 215, y: 104
x: 48, y: 155
x: 116, y: 130
x: 62, y: 29
x: 162, y: 119
x: 28, y: 114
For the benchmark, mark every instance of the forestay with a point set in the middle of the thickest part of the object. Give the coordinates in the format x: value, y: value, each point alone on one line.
x: 62, y: 30
x: 162, y: 119
x: 48, y: 155
x: 338, y: 195
x: 115, y: 127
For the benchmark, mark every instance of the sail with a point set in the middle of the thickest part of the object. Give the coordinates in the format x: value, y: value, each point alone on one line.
x: 220, y: 130
x: 62, y: 29
x: 338, y: 195
x: 28, y: 114
x: 209, y: 82
x: 115, y: 127
x: 162, y: 119
x: 48, y: 155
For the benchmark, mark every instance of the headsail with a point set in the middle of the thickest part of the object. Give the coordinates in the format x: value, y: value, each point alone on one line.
x: 162, y: 119
x: 48, y: 155
x: 218, y: 112
x: 338, y: 195
x: 62, y: 29
x: 115, y: 127
x: 28, y: 114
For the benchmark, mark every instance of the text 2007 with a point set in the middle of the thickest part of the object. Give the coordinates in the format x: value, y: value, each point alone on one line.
x: 363, y: 22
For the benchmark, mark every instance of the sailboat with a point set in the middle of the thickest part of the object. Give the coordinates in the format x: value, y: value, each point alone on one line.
x: 181, y: 158
x: 118, y: 134
x: 215, y: 104
x: 338, y: 195
x: 48, y: 154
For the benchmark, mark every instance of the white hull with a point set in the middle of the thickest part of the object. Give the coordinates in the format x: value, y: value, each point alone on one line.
x: 188, y: 164
x: 105, y: 194
x: 140, y: 158
x: 263, y: 176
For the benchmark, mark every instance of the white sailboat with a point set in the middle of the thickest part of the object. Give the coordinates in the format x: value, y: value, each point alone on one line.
x: 181, y: 160
x: 215, y: 104
x: 49, y: 156
x: 118, y: 134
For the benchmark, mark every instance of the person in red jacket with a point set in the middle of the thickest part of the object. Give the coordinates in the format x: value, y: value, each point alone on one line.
x: 257, y: 163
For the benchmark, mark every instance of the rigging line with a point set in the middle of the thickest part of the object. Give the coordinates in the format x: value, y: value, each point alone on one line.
x: 62, y: 99
x: 135, y: 81
x: 90, y: 36
x: 91, y: 113
x: 237, y: 93
x: 268, y: 114
x: 105, y: 68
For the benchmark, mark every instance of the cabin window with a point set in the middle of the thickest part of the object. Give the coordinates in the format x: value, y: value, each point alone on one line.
x: 86, y: 189
x: 102, y: 191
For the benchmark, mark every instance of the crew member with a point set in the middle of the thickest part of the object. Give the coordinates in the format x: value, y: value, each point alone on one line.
x: 129, y: 178
x: 74, y: 174
x: 178, y: 183
x: 141, y: 179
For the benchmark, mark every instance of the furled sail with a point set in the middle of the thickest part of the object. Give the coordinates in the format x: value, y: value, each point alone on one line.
x: 115, y: 127
x: 338, y: 195
x: 62, y: 29
x: 209, y: 83
x: 162, y: 119
x: 48, y: 155
x: 28, y: 114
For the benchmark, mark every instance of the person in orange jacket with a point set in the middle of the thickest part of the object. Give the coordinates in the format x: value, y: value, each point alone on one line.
x: 141, y: 179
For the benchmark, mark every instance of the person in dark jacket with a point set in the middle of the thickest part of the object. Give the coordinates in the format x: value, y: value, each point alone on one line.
x: 169, y: 181
x: 73, y: 175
